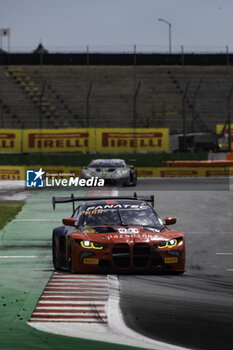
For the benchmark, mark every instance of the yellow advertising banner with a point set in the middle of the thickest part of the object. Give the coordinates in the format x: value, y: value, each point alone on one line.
x: 84, y: 140
x: 58, y: 140
x: 194, y: 171
x: 132, y: 140
x: 12, y: 172
x: 19, y: 172
x: 10, y: 140
x: 219, y: 128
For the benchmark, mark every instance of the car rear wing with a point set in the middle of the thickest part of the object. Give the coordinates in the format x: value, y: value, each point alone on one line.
x: 72, y: 199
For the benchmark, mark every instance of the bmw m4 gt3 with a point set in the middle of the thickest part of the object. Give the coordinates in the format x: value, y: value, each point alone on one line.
x: 116, y: 234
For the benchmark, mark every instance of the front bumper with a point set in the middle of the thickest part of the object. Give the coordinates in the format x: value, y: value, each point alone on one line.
x: 121, y: 180
x: 127, y: 258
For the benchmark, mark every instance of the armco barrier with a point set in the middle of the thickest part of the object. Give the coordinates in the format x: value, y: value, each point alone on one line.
x: 84, y: 140
x: 19, y: 172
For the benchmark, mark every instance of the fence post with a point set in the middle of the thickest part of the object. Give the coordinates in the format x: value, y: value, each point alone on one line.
x: 135, y: 64
x: 194, y: 112
x: 182, y: 55
x: 227, y: 54
x: 184, y: 116
x: 88, y: 105
x: 229, y: 119
x: 135, y: 105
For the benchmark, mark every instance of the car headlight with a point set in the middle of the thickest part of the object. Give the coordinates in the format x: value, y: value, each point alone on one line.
x: 122, y: 172
x: 87, y: 172
x: 167, y: 244
x: 92, y: 245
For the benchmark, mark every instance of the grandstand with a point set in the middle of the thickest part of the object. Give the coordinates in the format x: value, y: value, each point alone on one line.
x: 54, y: 96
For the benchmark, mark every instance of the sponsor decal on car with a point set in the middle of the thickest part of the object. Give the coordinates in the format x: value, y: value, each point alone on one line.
x: 118, y: 206
x: 128, y: 230
x: 90, y: 261
x: 171, y: 260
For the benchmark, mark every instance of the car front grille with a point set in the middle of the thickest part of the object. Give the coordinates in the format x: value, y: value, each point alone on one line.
x: 141, y: 255
x: 121, y: 255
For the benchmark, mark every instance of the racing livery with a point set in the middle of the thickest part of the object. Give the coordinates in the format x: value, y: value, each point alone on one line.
x: 114, y: 171
x: 116, y: 234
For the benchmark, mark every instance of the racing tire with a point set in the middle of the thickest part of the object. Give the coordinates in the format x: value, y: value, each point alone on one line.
x: 54, y: 252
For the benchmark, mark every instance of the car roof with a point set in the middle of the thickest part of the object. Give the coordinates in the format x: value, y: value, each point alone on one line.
x: 96, y: 161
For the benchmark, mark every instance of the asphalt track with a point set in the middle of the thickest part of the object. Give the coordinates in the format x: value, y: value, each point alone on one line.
x: 194, y: 310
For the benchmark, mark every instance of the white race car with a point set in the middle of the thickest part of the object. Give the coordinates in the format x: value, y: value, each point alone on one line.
x: 113, y: 171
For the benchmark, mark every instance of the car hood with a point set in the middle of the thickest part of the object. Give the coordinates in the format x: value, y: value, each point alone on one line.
x: 132, y: 234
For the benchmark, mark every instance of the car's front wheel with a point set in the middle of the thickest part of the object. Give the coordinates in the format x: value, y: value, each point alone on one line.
x: 55, y: 258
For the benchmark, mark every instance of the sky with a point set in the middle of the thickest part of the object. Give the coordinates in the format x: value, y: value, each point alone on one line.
x: 75, y: 24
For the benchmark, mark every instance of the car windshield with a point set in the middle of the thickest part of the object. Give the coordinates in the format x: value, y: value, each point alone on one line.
x: 119, y: 217
x: 110, y: 164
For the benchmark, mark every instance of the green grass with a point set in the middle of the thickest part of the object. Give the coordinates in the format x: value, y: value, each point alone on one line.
x: 69, y: 159
x: 8, y: 211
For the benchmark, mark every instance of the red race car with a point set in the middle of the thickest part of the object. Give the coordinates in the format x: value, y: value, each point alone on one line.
x: 116, y: 234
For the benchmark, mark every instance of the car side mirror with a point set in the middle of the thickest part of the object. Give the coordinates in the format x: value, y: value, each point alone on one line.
x: 169, y: 221
x: 70, y: 222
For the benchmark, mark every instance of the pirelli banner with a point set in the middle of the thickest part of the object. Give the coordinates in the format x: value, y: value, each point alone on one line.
x: 11, y: 140
x: 58, y: 140
x: 132, y: 140
x: 84, y: 140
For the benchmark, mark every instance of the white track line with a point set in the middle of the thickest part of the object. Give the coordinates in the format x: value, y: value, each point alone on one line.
x: 24, y: 256
x: 224, y: 253
x: 35, y: 220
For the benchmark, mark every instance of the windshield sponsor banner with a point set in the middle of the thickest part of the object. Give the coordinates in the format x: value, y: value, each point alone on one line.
x: 131, y: 140
x: 10, y: 140
x: 58, y: 140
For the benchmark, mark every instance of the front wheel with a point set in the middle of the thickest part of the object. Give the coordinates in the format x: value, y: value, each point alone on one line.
x: 55, y: 258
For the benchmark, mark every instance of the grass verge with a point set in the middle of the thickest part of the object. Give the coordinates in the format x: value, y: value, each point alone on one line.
x: 8, y: 210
